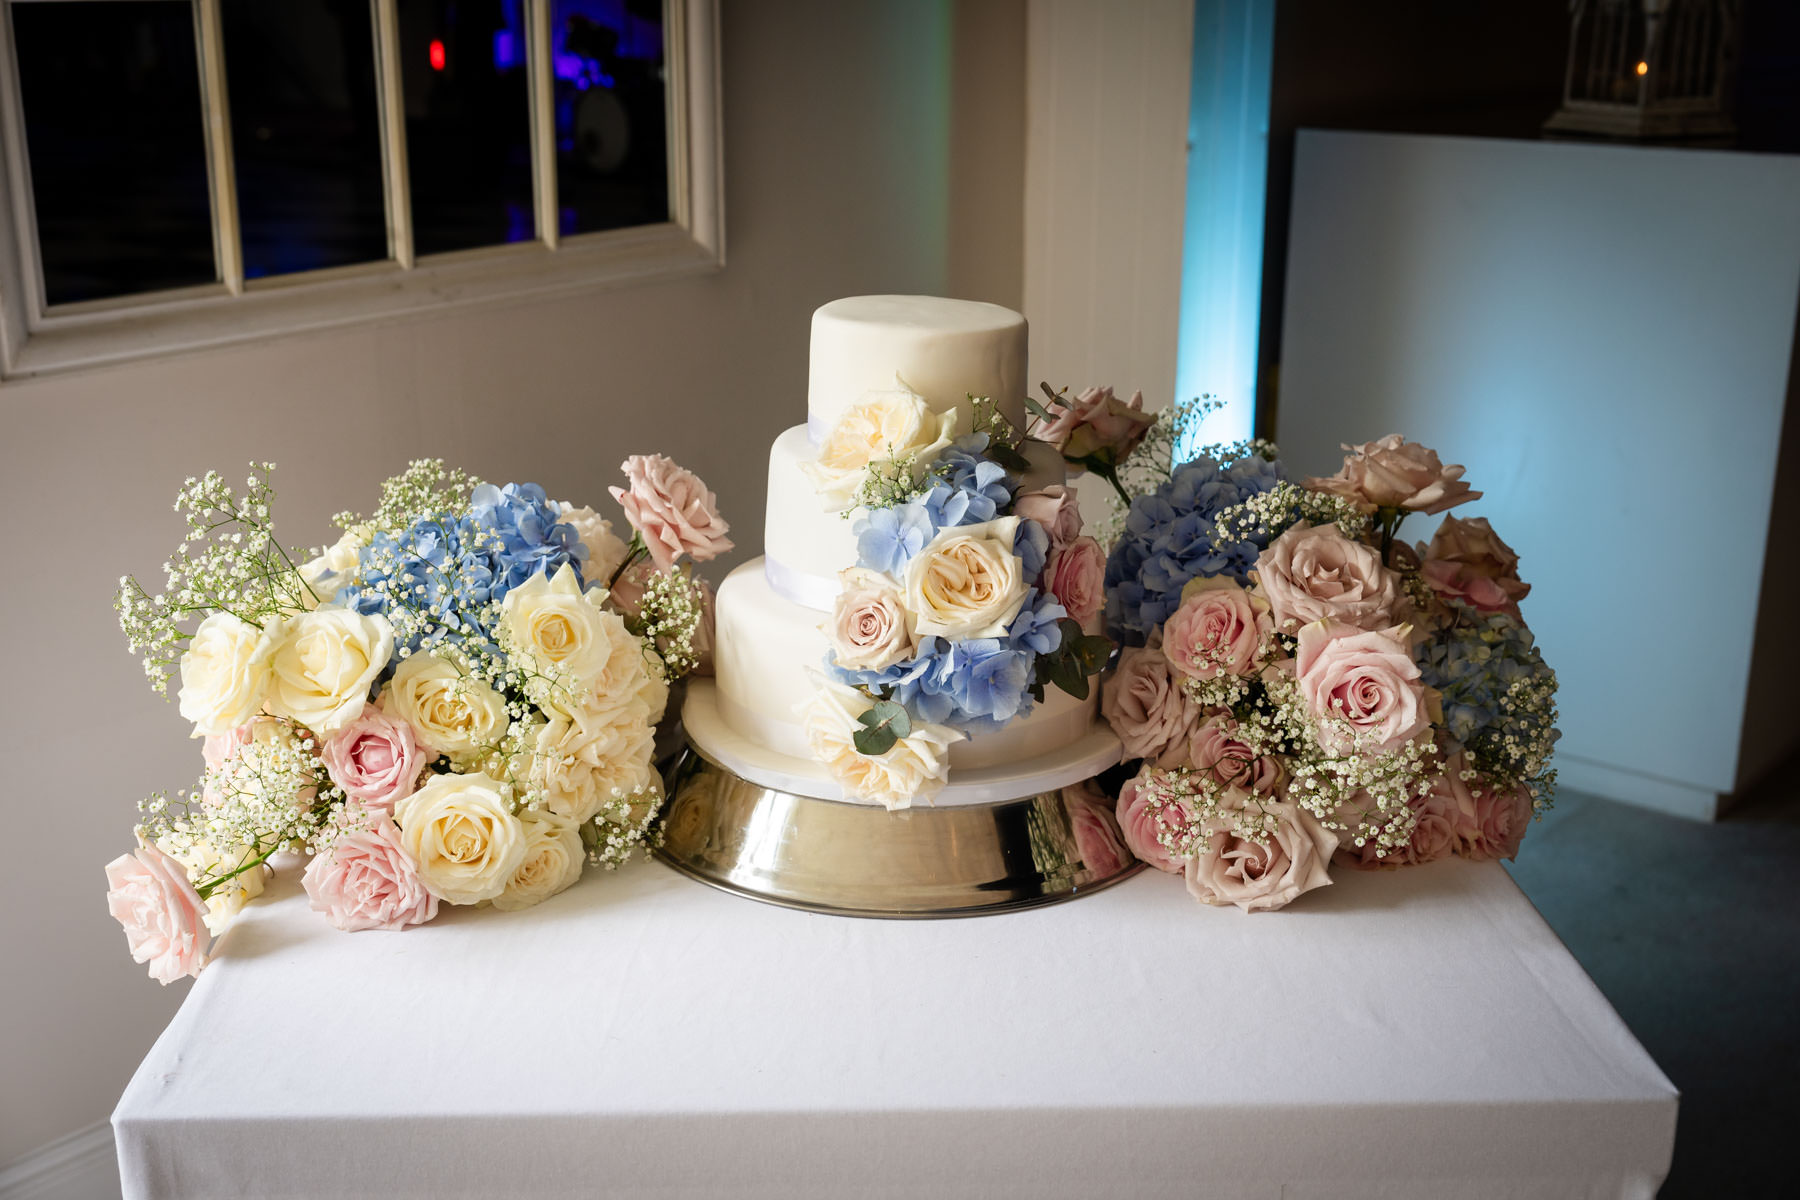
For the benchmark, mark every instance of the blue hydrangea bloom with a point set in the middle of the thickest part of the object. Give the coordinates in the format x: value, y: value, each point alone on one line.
x: 888, y: 538
x: 1473, y: 663
x: 1034, y: 629
x: 443, y: 568
x: 1169, y: 538
x: 534, y: 537
x: 1032, y: 544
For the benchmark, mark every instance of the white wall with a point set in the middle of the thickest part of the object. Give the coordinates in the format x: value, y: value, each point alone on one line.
x: 1604, y: 336
x: 842, y: 164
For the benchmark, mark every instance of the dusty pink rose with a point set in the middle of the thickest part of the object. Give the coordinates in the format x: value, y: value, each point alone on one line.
x: 1294, y: 858
x: 672, y: 509
x: 1220, y: 629
x: 1096, y: 424
x: 868, y: 624
x: 164, y: 917
x: 375, y: 759
x: 1145, y: 704
x: 1056, y: 508
x: 1365, y: 679
x: 1076, y: 576
x: 364, y: 880
x: 1396, y: 473
x: 1442, y: 817
x: 1501, y: 817
x: 1467, y: 561
x: 1217, y: 748
x: 1315, y: 573
x: 1138, y: 824
x: 1096, y: 839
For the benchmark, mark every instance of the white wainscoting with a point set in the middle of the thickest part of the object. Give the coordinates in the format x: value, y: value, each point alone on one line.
x: 82, y: 1166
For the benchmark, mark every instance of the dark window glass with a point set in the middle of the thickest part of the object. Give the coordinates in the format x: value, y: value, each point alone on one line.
x: 612, y: 161
x: 115, y: 136
x: 305, y: 133
x: 468, y: 123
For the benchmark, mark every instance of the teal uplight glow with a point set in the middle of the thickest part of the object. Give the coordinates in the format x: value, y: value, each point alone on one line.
x: 1222, y: 237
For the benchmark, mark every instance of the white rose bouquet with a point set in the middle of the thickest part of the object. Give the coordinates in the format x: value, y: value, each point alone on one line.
x: 1312, y: 691
x: 973, y: 592
x: 446, y: 706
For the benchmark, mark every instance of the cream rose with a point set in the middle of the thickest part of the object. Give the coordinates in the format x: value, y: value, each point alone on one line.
x: 1293, y: 856
x: 584, y: 758
x: 550, y: 627
x: 882, y: 427
x: 605, y: 549
x: 461, y: 834
x: 327, y: 573
x: 1313, y: 573
x: 553, y: 860
x: 225, y: 674
x: 324, y: 663
x: 868, y: 626
x: 1362, y: 687
x: 1396, y: 473
x: 913, y: 768
x: 449, y: 713
x: 966, y: 583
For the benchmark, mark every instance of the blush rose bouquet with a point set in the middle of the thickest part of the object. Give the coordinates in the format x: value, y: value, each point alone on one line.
x: 449, y: 705
x: 1300, y: 689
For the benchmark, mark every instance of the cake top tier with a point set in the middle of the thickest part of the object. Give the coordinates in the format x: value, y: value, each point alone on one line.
x: 945, y: 350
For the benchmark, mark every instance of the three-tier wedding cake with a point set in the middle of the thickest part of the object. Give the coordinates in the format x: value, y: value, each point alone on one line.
x: 898, y: 574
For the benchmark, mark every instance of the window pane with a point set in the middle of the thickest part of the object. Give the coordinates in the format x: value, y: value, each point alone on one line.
x: 468, y: 123
x: 115, y: 137
x: 611, y: 136
x: 305, y: 133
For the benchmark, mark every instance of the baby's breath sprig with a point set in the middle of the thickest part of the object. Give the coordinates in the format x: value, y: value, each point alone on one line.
x: 622, y: 825
x: 229, y: 562
x: 670, y: 616
x: 1269, y: 514
x: 425, y: 488
x: 891, y: 483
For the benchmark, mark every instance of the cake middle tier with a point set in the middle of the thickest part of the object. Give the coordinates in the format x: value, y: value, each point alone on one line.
x: 767, y: 649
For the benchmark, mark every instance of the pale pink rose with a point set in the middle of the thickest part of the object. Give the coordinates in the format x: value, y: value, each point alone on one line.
x: 1252, y: 875
x: 1096, y: 839
x: 364, y: 880
x: 1216, y: 748
x: 1365, y: 679
x: 1220, y: 629
x: 1145, y: 705
x: 1076, y: 576
x: 868, y: 625
x: 1138, y: 824
x: 217, y: 750
x: 376, y: 760
x: 672, y: 509
x: 1442, y: 818
x: 163, y: 916
x: 1056, y: 508
x: 1315, y: 573
x: 1501, y: 818
x: 1096, y: 424
x: 1467, y: 561
x: 1396, y: 473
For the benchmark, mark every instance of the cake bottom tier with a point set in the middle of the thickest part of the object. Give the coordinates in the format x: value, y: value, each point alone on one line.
x: 767, y: 649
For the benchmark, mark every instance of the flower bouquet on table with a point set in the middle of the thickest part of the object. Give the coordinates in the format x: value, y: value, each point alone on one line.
x: 1302, y: 689
x: 974, y: 591
x: 443, y: 707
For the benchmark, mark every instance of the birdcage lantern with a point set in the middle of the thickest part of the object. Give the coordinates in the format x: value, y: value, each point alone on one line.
x: 1650, y: 70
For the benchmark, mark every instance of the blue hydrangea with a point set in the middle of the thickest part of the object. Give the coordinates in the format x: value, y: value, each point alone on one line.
x: 1475, y: 663
x: 1032, y: 544
x: 1169, y: 538
x: 888, y: 538
x: 534, y: 538
x: 445, y: 568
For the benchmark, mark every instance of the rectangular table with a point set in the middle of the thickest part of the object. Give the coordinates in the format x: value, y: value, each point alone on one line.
x: 1414, y: 1034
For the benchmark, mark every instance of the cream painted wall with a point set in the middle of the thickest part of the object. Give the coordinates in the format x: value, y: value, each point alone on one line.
x: 845, y: 173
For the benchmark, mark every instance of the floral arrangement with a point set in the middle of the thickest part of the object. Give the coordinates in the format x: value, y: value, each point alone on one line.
x: 972, y: 593
x: 455, y: 703
x: 1302, y: 689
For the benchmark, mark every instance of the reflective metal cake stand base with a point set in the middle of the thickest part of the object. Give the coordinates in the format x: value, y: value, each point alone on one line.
x: 828, y: 856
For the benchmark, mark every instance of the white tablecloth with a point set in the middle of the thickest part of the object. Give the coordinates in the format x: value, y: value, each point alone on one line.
x: 1419, y: 1034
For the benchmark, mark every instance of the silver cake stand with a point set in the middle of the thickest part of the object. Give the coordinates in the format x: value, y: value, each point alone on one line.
x: 752, y: 829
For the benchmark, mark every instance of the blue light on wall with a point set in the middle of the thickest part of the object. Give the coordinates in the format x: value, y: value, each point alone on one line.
x: 1222, y: 237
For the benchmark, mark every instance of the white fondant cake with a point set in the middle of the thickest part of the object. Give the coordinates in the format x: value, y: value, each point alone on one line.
x: 770, y: 645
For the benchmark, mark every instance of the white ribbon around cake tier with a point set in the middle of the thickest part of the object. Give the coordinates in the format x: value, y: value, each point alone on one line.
x: 816, y: 592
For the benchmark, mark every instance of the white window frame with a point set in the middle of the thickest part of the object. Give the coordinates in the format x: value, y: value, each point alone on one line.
x: 38, y: 339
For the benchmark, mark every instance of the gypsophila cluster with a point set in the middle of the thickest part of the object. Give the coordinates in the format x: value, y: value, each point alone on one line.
x: 622, y: 825
x: 426, y: 487
x: 670, y: 617
x: 889, y: 483
x: 229, y: 562
x: 1267, y: 515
